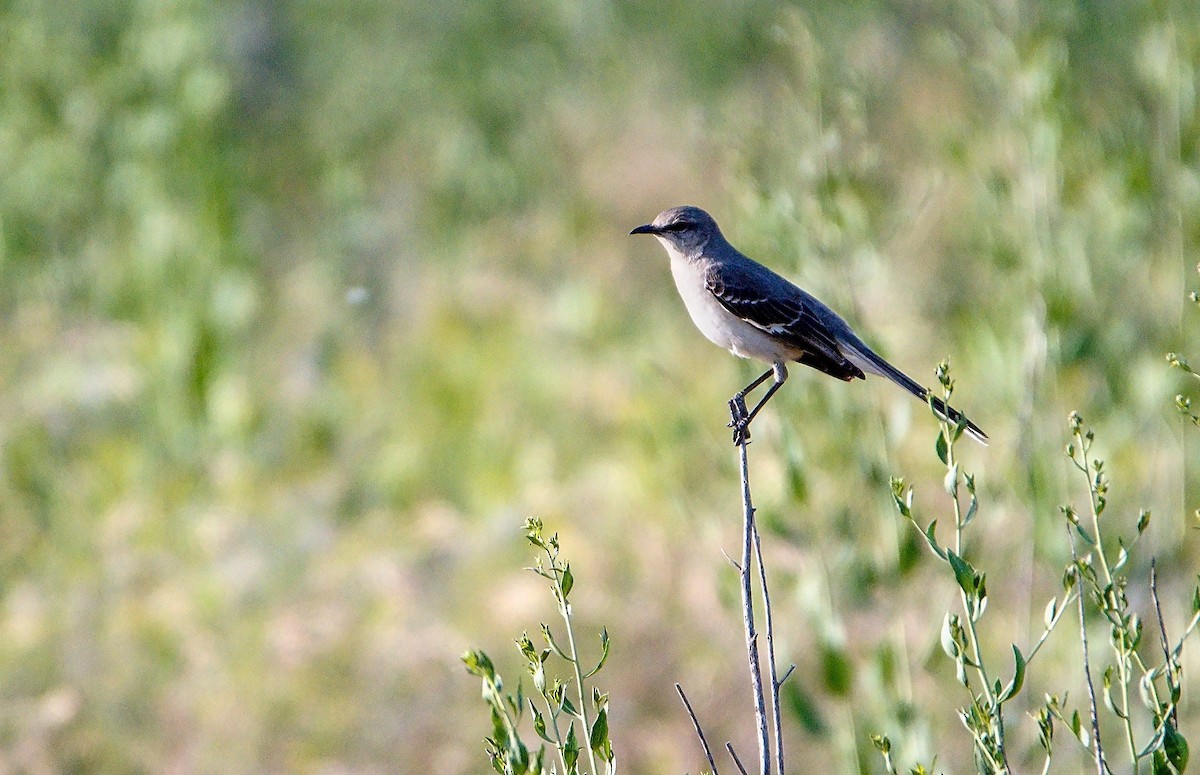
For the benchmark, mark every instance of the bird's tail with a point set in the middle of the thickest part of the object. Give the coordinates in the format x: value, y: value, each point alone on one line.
x: 867, y: 360
x: 955, y: 417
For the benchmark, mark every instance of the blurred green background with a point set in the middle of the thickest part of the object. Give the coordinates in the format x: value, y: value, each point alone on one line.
x: 307, y: 305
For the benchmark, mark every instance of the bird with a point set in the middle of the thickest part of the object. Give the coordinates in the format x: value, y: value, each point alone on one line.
x: 741, y: 305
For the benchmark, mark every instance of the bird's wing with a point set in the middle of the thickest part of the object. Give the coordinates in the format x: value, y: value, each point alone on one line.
x: 786, y: 315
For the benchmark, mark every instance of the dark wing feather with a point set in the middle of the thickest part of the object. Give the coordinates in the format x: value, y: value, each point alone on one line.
x: 787, y: 318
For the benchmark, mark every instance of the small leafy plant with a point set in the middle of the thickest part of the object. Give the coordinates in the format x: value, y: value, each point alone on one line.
x: 983, y: 715
x: 559, y: 702
x: 1094, y: 582
x: 1104, y: 577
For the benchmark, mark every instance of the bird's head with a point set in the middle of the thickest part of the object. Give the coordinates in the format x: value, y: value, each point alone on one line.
x: 686, y: 229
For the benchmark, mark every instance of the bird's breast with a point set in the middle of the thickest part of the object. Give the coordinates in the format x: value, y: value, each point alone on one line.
x: 718, y: 324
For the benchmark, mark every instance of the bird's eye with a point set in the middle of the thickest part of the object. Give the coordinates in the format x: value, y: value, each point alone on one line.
x: 677, y: 226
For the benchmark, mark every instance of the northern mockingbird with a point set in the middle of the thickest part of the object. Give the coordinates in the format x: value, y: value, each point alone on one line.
x: 754, y: 313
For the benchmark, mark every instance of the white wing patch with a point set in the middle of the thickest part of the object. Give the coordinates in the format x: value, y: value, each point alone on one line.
x: 777, y: 329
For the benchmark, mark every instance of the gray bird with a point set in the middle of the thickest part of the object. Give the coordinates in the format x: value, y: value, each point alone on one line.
x: 746, y: 308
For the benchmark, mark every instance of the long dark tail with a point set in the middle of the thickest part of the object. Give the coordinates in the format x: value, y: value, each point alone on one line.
x: 867, y: 360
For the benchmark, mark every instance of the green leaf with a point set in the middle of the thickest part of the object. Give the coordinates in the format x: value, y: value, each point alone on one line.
x: 941, y: 447
x: 1084, y: 534
x: 570, y: 751
x: 974, y: 504
x: 1143, y: 521
x: 539, y: 723
x: 568, y: 580
x: 964, y: 574
x: 603, y: 654
x: 599, y: 735
x: 1018, y: 677
x: 1175, y: 747
x: 931, y: 539
x: 499, y: 730
x: 972, y: 507
x: 1051, y: 613
x: 518, y: 755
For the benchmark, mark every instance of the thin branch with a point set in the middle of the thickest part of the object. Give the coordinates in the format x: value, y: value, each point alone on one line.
x: 989, y: 692
x: 737, y: 407
x: 699, y: 731
x: 1087, y: 671
x: 733, y: 755
x: 1162, y: 632
x: 574, y: 659
x: 771, y: 669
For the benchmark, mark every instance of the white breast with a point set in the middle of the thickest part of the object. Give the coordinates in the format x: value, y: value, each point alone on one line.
x: 717, y: 323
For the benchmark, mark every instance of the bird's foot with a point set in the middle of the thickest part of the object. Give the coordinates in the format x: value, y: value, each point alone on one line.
x: 741, y: 420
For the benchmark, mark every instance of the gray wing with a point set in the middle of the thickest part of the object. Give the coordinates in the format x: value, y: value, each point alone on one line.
x: 772, y: 304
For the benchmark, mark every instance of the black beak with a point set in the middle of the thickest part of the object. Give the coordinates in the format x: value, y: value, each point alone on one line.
x: 648, y: 228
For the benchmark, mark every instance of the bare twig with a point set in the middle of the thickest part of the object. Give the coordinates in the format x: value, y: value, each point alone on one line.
x: 733, y: 755
x: 1162, y: 632
x: 775, y: 681
x: 699, y: 731
x: 1087, y: 671
x: 737, y: 407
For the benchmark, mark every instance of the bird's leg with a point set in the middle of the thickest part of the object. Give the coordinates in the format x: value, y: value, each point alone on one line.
x: 737, y: 405
x: 780, y: 373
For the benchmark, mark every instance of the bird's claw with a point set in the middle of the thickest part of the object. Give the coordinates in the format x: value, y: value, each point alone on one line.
x: 741, y: 420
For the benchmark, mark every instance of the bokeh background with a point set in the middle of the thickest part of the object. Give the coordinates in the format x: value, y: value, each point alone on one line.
x: 305, y: 306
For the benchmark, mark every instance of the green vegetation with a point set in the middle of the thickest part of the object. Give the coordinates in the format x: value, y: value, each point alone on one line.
x: 554, y: 718
x: 304, y: 307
